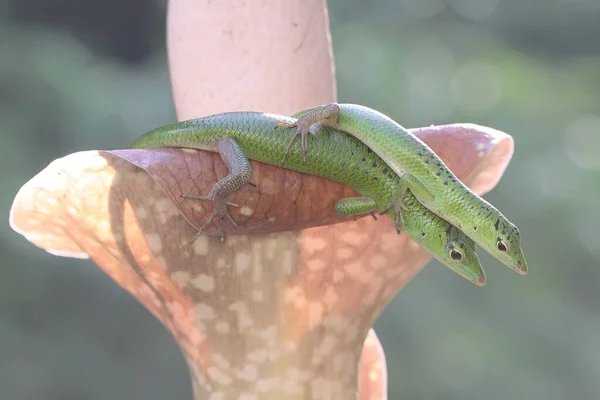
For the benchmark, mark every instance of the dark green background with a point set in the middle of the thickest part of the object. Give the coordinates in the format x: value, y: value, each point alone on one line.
x: 78, y: 75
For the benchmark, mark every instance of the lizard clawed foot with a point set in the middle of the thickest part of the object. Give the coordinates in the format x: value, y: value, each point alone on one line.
x: 398, y: 219
x: 309, y: 123
x: 398, y: 206
x: 303, y: 129
x: 220, y: 211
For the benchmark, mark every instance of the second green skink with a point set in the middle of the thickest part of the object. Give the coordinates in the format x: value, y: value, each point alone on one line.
x: 424, y: 173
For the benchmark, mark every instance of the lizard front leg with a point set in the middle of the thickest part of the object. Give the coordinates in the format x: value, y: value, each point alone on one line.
x: 308, y: 122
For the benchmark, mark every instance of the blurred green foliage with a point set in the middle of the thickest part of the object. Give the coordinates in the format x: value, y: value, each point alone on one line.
x: 89, y: 75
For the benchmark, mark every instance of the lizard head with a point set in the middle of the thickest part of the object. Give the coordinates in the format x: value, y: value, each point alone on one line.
x: 508, y: 246
x: 460, y: 256
x: 503, y: 241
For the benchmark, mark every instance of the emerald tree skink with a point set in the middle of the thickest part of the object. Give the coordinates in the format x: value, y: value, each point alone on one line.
x: 239, y: 136
x: 424, y: 173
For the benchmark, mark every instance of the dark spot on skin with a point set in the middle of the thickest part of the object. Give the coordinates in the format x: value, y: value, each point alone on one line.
x: 385, y: 171
x: 453, y: 180
x: 426, y: 161
x: 422, y: 234
x: 369, y: 150
x: 497, y: 223
x: 439, y: 164
x: 390, y: 176
x: 446, y: 183
x: 462, y: 245
x: 438, y: 174
x: 375, y: 178
x: 374, y: 165
x: 475, y: 228
x: 364, y: 159
x: 503, y: 232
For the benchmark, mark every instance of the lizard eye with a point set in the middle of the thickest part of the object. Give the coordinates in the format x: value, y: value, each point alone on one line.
x: 502, y: 246
x: 456, y: 255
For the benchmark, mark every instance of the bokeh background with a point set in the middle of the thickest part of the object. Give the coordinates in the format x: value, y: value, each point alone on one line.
x: 78, y: 75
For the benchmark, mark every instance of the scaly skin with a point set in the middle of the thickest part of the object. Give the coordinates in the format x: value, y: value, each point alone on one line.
x: 424, y: 173
x: 335, y: 156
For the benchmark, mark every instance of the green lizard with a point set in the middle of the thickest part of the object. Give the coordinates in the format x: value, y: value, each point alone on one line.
x: 421, y: 171
x: 239, y: 136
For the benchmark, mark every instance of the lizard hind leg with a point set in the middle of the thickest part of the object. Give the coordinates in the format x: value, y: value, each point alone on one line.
x: 363, y: 204
x: 355, y: 206
x: 240, y: 173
